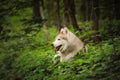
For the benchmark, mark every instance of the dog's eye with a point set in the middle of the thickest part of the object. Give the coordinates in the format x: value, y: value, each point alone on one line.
x: 58, y: 39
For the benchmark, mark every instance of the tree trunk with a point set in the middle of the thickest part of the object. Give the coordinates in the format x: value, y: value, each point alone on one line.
x: 117, y: 9
x: 43, y: 19
x: 95, y: 18
x: 71, y: 8
x: 58, y: 15
x: 83, y: 10
x: 88, y: 9
x: 109, y: 10
x: 66, y: 13
x: 36, y: 12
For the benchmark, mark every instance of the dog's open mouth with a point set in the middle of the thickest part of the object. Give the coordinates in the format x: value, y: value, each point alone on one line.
x: 58, y: 47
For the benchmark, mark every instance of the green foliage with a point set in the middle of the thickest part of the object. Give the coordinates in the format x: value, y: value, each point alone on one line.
x: 109, y: 28
x: 87, y: 32
x: 14, y: 27
x: 29, y: 57
x: 96, y: 64
x: 26, y: 55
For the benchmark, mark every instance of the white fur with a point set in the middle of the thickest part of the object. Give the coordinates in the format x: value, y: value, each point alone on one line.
x: 71, y: 45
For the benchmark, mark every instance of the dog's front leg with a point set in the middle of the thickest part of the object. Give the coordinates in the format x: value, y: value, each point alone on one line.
x: 55, y: 56
x: 69, y: 57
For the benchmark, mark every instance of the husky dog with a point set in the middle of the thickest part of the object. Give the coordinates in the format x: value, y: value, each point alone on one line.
x: 67, y: 45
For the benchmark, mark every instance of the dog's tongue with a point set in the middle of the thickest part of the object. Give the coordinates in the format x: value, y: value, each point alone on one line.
x: 57, y: 48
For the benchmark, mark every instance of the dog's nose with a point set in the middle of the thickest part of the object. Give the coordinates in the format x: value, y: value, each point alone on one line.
x: 52, y: 45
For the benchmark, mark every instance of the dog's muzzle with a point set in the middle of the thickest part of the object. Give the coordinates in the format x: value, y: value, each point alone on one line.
x: 57, y: 48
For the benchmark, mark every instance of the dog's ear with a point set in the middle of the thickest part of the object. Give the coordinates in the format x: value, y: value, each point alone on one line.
x: 64, y: 30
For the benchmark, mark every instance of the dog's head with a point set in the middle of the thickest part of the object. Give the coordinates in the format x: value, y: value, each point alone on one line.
x: 61, y: 42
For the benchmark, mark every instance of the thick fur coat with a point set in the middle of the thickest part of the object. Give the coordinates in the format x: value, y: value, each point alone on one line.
x: 67, y: 45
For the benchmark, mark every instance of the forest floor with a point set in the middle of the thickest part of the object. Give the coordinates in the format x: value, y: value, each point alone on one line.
x: 30, y: 58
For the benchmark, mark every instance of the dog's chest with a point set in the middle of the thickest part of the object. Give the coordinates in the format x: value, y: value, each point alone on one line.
x: 66, y: 56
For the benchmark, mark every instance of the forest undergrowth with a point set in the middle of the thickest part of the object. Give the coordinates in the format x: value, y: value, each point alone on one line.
x: 31, y: 59
x: 25, y: 54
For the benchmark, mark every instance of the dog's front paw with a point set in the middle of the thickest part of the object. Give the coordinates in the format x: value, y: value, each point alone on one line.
x: 56, y: 58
